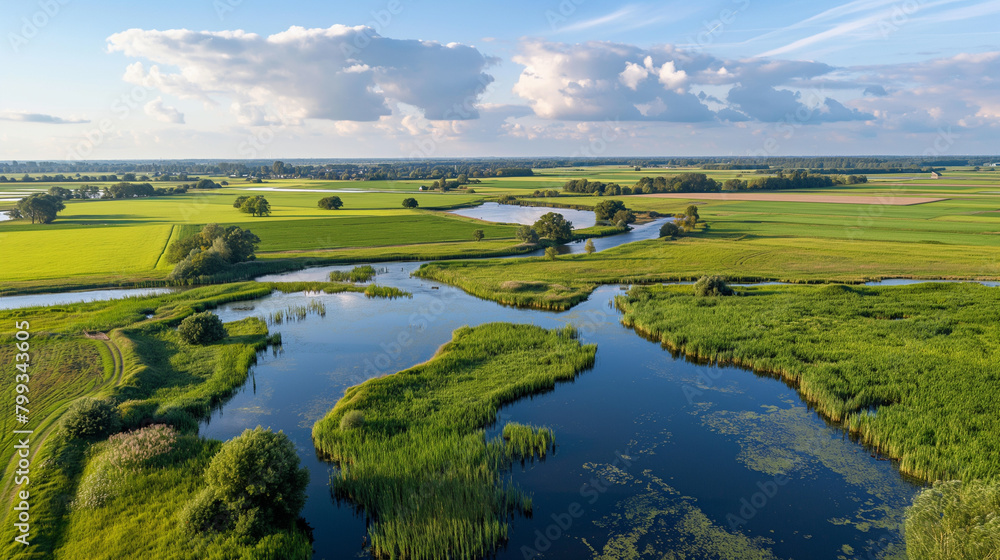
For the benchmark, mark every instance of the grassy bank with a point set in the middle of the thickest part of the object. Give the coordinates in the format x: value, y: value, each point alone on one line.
x: 411, y: 446
x: 112, y: 350
x: 560, y: 284
x: 911, y: 370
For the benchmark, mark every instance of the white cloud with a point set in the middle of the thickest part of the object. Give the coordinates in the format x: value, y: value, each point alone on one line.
x: 601, y: 81
x: 339, y: 73
x: 163, y: 113
x: 38, y: 118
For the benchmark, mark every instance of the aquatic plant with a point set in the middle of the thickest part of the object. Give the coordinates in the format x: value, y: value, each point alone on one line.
x: 421, y: 466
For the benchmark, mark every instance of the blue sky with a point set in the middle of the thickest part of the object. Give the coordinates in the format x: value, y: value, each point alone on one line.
x: 398, y: 78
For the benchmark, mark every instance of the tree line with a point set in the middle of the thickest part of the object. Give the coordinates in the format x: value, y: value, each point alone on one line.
x: 701, y: 183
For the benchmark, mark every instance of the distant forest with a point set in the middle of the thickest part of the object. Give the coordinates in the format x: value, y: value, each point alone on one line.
x: 435, y: 169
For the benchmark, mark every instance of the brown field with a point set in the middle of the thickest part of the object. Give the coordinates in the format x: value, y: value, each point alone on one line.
x: 888, y: 200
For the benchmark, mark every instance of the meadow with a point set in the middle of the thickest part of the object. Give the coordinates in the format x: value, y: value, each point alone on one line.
x: 411, y: 448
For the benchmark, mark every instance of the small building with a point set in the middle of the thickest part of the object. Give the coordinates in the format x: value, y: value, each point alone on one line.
x: 935, y: 175
x: 422, y: 188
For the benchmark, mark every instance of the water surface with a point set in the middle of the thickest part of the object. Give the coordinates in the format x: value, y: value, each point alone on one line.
x: 526, y: 215
x: 685, y: 455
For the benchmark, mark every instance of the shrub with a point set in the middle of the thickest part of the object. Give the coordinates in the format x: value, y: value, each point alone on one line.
x: 91, y: 418
x: 351, y: 420
x: 669, y: 229
x: 202, y: 328
x: 551, y: 253
x: 207, y: 512
x: 331, y: 203
x: 257, y: 476
x: 410, y: 203
x: 712, y: 286
x: 478, y: 235
x: 140, y: 447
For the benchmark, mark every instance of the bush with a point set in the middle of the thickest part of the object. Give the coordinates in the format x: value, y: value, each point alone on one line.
x: 954, y: 520
x: 91, y: 418
x: 331, y: 203
x: 551, y: 253
x: 207, y: 512
x: 670, y: 230
x: 712, y: 286
x: 202, y: 328
x: 606, y: 209
x: 257, y: 476
x: 410, y: 203
x: 351, y: 420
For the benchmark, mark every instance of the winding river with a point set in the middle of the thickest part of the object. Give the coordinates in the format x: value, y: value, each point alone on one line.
x: 655, y: 453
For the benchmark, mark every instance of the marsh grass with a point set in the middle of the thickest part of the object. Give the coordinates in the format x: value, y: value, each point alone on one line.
x: 363, y: 273
x: 420, y: 466
x: 909, y: 370
x: 526, y: 442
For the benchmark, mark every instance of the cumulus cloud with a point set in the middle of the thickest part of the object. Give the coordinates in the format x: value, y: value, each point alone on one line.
x: 38, y: 118
x: 164, y: 113
x: 603, y: 81
x: 339, y: 73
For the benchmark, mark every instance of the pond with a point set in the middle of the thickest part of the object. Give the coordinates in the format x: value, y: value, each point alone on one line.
x: 4, y: 216
x: 688, y: 457
x: 526, y: 215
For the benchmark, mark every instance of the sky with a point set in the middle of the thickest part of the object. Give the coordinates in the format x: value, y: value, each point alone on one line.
x: 248, y: 79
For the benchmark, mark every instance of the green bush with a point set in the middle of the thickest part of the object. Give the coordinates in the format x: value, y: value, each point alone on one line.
x: 207, y: 512
x: 410, y: 203
x: 257, y: 477
x: 91, y: 418
x: 669, y: 229
x: 202, y: 328
x: 351, y: 420
x: 712, y: 286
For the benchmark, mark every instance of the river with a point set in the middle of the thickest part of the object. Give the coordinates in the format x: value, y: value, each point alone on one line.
x: 690, y: 458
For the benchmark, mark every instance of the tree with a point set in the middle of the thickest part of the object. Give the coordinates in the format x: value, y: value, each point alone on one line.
x: 41, y: 208
x: 551, y: 253
x: 526, y: 234
x: 202, y: 328
x: 606, y: 209
x: 278, y: 168
x: 239, y: 201
x: 410, y: 203
x: 91, y: 418
x: 256, y: 206
x: 478, y: 235
x: 206, y: 184
x: 331, y: 203
x: 692, y: 211
x: 712, y: 286
x: 623, y: 218
x: 589, y: 247
x: 669, y: 229
x: 555, y: 227
x: 60, y: 193
x: 254, y: 486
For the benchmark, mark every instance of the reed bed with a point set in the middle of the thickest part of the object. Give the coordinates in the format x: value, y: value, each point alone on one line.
x: 416, y: 458
x: 910, y: 370
x: 358, y: 274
